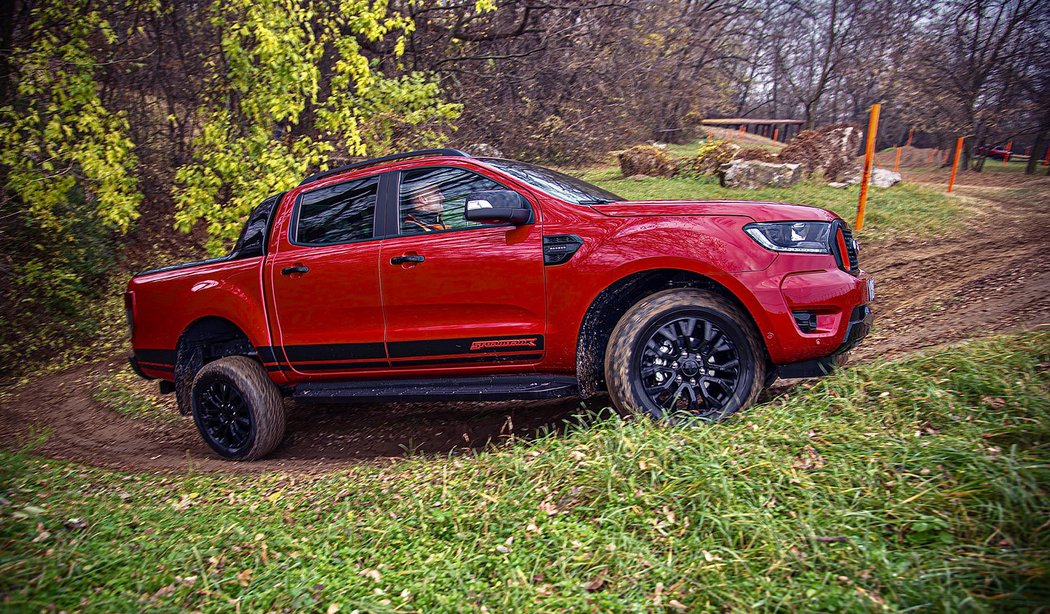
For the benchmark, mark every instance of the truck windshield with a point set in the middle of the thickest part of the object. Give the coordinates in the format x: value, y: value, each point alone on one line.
x: 558, y: 185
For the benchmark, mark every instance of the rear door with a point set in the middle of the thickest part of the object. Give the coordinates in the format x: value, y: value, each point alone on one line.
x: 325, y: 281
x: 459, y: 294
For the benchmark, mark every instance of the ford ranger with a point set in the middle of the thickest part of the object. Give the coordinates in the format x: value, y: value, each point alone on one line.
x: 437, y: 275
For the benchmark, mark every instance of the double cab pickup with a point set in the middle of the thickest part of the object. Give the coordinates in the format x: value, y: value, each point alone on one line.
x: 438, y: 275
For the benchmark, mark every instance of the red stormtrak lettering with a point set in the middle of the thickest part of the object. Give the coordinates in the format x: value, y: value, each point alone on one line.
x: 503, y: 343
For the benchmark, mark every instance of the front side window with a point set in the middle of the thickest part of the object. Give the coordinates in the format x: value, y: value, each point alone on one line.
x: 338, y: 213
x: 434, y: 199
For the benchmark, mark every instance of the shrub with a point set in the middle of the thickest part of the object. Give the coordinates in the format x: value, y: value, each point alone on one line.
x: 646, y: 160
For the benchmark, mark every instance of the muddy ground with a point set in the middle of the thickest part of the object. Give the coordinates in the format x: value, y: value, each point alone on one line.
x: 992, y: 276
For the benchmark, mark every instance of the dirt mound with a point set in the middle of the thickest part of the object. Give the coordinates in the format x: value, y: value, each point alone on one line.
x: 830, y: 150
x: 646, y: 160
x: 758, y: 154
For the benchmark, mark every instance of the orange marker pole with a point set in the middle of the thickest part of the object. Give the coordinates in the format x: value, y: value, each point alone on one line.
x: 743, y: 128
x: 869, y: 162
x: 911, y: 133
x: 1009, y: 148
x: 955, y: 163
x: 897, y: 162
x: 933, y: 152
x: 776, y: 133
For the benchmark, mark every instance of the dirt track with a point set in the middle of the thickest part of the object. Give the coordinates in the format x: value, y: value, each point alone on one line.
x: 993, y: 277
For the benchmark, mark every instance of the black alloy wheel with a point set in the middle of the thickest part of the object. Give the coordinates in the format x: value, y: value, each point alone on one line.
x: 688, y: 364
x: 237, y: 408
x: 224, y: 415
x: 683, y: 355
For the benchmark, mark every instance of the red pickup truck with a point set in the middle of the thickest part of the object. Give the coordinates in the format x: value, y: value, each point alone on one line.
x: 437, y: 275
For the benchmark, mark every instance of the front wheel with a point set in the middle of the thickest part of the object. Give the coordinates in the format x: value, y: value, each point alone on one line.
x: 237, y: 408
x: 684, y: 353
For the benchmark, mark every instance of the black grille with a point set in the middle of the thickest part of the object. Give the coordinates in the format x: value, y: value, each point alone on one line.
x: 847, y: 261
x: 851, y: 251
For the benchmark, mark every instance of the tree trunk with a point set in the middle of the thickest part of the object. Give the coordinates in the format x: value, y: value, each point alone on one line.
x: 1038, y: 153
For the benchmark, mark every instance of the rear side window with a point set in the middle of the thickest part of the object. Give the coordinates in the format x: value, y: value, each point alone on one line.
x: 338, y: 213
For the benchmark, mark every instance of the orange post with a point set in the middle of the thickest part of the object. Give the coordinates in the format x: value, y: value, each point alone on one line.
x: 776, y: 133
x: 869, y: 162
x: 1006, y: 156
x: 933, y: 152
x: 743, y: 128
x: 955, y: 162
x: 911, y: 133
x: 897, y: 162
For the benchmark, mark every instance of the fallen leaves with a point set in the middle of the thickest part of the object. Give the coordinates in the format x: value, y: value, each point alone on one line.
x: 809, y: 459
x: 244, y: 578
x: 595, y: 584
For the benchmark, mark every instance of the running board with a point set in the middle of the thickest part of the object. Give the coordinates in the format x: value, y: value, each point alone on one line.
x: 489, y: 388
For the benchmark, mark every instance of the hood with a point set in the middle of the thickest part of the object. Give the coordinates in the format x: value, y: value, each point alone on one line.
x: 760, y: 211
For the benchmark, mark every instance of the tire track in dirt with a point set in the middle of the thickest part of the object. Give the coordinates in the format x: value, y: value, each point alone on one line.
x: 992, y: 277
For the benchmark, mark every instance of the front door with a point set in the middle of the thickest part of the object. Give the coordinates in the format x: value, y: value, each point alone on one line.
x: 325, y: 282
x: 457, y: 293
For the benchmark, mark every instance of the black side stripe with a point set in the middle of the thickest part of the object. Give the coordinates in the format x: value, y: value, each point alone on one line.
x: 456, y: 361
x: 514, y: 343
x: 334, y: 351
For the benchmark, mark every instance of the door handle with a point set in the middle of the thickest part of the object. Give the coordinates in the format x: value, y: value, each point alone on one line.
x: 292, y: 270
x: 415, y: 259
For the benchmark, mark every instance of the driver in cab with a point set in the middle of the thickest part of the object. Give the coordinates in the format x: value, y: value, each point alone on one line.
x: 425, y: 215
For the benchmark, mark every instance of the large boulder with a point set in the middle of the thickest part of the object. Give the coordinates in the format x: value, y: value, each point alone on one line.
x: 646, y: 160
x: 880, y: 178
x: 754, y: 174
x: 830, y: 151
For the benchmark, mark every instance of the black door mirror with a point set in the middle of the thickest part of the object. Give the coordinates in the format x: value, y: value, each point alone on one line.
x: 498, y: 207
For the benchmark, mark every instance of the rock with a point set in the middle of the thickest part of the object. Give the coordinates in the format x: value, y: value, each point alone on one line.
x: 754, y: 174
x: 880, y: 178
x: 646, y: 160
x: 830, y: 151
x: 838, y: 184
x: 484, y: 150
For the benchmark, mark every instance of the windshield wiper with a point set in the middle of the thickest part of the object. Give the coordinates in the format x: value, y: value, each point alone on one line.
x: 596, y: 201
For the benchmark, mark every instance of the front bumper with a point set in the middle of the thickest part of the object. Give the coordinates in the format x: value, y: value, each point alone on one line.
x: 859, y: 326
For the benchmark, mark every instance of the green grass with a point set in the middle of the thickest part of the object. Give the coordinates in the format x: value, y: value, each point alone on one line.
x: 903, y: 209
x: 916, y: 484
x: 126, y: 393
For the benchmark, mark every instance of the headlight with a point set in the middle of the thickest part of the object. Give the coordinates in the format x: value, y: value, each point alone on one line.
x: 799, y: 237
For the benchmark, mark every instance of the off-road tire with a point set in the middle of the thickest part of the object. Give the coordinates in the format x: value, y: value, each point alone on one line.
x: 627, y: 345
x: 261, y: 404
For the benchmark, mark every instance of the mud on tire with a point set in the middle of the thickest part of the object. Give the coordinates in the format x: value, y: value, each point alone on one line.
x: 237, y: 408
x: 683, y: 354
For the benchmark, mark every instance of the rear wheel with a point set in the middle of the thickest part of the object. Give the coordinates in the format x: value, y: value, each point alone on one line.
x: 237, y: 409
x: 684, y: 354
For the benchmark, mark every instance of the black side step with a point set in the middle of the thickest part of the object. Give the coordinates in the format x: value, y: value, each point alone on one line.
x: 488, y: 388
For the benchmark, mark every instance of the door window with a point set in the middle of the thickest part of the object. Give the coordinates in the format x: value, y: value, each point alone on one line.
x: 339, y: 213
x: 434, y: 199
